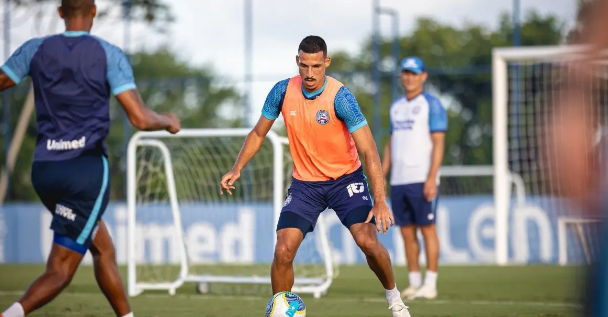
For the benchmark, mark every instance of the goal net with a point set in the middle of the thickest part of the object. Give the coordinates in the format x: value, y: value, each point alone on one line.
x: 182, y: 230
x: 526, y: 83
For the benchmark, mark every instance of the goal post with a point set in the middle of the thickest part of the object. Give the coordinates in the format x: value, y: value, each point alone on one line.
x: 524, y: 81
x: 181, y: 230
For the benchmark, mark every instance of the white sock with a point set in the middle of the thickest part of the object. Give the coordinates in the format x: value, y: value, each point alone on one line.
x: 16, y: 310
x: 393, y: 294
x: 430, y: 278
x: 415, y: 279
x: 129, y: 315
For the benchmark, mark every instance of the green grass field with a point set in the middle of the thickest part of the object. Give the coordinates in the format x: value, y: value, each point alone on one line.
x: 463, y: 291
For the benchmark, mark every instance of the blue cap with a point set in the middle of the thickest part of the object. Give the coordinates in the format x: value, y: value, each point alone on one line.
x: 412, y: 64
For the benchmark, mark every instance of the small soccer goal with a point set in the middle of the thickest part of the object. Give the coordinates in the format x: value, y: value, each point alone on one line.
x: 182, y: 230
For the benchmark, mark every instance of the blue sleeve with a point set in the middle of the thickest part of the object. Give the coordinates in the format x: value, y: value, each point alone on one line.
x: 120, y: 73
x: 17, y: 66
x: 274, y: 100
x: 438, y: 118
x: 348, y: 110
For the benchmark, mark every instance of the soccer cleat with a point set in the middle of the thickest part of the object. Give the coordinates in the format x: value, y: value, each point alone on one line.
x: 411, y: 290
x: 426, y: 291
x: 399, y: 309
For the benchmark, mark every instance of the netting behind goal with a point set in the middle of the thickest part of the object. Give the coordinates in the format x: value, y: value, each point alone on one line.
x: 527, y: 84
x: 182, y: 230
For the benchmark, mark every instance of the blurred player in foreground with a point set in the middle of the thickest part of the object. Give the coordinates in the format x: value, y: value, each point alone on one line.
x: 580, y: 169
x: 327, y: 132
x: 72, y: 74
x: 413, y: 155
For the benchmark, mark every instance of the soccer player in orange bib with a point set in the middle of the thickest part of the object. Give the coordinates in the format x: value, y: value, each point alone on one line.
x: 327, y: 132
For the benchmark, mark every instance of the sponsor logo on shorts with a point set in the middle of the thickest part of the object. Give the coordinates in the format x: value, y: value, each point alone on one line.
x: 287, y: 200
x: 322, y: 117
x: 355, y: 188
x: 431, y: 216
x: 61, y: 145
x: 65, y: 212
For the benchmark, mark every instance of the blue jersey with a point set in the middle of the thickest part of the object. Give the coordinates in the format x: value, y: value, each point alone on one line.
x: 74, y: 75
x: 345, y: 104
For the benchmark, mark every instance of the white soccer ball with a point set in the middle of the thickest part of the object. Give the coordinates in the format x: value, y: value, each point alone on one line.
x: 285, y: 304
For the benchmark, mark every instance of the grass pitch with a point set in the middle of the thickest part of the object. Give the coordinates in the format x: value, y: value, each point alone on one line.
x: 480, y: 291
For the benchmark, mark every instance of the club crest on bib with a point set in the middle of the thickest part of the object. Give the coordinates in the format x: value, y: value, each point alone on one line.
x: 322, y: 117
x: 416, y: 110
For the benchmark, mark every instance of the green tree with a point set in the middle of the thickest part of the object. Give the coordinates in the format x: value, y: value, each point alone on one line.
x: 155, y: 14
x: 459, y: 61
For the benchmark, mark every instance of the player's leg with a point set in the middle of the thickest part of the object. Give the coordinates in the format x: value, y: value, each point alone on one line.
x: 288, y: 242
x: 377, y: 257
x: 61, y: 265
x: 375, y: 253
x: 302, y: 207
x: 106, y: 271
x: 404, y: 219
x: 412, y: 254
x: 65, y: 254
x: 79, y: 190
x: 349, y: 197
x: 425, y: 212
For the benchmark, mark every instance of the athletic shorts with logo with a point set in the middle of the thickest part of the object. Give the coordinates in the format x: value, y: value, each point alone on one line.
x: 410, y: 207
x: 347, y: 195
x: 76, y: 192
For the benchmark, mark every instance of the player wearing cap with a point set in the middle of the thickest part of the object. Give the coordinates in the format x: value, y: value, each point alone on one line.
x: 413, y: 155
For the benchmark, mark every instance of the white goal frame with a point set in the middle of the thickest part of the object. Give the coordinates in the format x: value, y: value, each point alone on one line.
x: 315, y: 286
x: 500, y: 87
x: 562, y: 236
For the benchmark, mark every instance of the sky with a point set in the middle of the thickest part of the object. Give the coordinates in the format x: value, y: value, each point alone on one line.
x: 211, y: 32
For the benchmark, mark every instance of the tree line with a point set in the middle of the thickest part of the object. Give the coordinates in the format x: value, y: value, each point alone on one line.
x: 458, y: 58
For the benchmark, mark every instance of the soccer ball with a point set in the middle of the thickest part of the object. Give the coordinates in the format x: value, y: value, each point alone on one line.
x: 285, y: 304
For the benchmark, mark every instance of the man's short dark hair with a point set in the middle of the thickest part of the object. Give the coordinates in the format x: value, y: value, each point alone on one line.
x: 72, y: 8
x: 313, y: 44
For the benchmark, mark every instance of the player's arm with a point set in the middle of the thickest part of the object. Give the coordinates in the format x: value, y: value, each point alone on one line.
x: 438, y: 140
x: 438, y: 124
x: 255, y: 138
x: 348, y: 110
x: 366, y: 146
x: 17, y: 66
x: 253, y: 142
x: 142, y: 117
x: 5, y: 81
x: 386, y: 159
x: 122, y: 83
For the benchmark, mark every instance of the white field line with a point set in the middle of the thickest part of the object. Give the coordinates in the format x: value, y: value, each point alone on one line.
x: 345, y: 300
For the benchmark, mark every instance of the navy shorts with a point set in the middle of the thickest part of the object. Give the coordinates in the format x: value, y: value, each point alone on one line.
x: 410, y: 207
x: 76, y: 192
x: 348, y: 196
